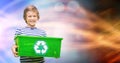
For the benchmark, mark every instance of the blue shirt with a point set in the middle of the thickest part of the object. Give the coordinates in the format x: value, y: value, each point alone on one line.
x: 31, y: 32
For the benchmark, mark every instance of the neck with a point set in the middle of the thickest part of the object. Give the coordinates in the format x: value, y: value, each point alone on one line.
x: 31, y: 26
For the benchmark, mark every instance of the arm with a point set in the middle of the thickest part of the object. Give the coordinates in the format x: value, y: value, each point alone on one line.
x: 14, y: 47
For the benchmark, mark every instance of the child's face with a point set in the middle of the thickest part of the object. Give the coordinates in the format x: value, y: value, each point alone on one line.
x: 31, y: 18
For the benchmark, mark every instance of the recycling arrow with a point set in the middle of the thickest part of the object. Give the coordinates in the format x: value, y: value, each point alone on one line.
x: 40, y: 47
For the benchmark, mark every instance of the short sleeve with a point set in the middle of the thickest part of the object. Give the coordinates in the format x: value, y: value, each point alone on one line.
x: 44, y: 33
x: 18, y: 31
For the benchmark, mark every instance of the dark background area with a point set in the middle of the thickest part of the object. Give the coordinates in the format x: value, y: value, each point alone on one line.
x: 104, y: 8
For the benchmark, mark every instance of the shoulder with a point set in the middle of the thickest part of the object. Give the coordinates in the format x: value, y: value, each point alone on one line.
x: 42, y: 32
x: 40, y: 29
x: 19, y: 30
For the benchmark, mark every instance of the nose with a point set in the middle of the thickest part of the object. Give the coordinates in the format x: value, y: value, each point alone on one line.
x: 32, y: 17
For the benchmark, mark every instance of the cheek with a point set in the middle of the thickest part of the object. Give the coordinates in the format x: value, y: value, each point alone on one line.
x: 27, y: 18
x: 37, y: 19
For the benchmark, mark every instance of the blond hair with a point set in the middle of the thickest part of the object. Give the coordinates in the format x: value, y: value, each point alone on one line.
x: 30, y: 8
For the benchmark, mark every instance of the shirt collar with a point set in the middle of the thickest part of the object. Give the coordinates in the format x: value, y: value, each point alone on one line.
x: 32, y: 28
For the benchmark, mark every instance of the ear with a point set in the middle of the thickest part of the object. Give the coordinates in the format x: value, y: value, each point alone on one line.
x: 38, y: 17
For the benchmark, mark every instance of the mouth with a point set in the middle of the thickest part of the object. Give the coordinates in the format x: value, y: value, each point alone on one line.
x: 32, y: 21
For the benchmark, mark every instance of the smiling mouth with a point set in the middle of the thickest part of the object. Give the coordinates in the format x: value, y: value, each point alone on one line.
x: 31, y: 21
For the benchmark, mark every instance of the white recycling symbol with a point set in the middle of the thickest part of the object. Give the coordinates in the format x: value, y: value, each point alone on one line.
x: 40, y: 47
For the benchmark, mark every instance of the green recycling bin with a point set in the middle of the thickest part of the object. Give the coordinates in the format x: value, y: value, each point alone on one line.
x: 38, y: 46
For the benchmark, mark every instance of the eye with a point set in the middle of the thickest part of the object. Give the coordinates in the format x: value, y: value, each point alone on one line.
x: 34, y: 16
x: 29, y: 16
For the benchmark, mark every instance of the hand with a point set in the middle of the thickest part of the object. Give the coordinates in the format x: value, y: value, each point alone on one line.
x: 14, y: 47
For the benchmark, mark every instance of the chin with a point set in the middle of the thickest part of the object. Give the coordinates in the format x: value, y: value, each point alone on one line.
x: 32, y: 25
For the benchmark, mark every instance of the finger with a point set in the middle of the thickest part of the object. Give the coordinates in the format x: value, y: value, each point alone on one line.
x: 16, y: 54
x: 14, y: 48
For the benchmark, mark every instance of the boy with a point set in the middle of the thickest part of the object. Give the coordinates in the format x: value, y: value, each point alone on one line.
x: 31, y: 16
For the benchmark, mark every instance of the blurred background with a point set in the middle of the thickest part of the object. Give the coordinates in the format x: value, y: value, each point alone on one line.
x: 90, y: 28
